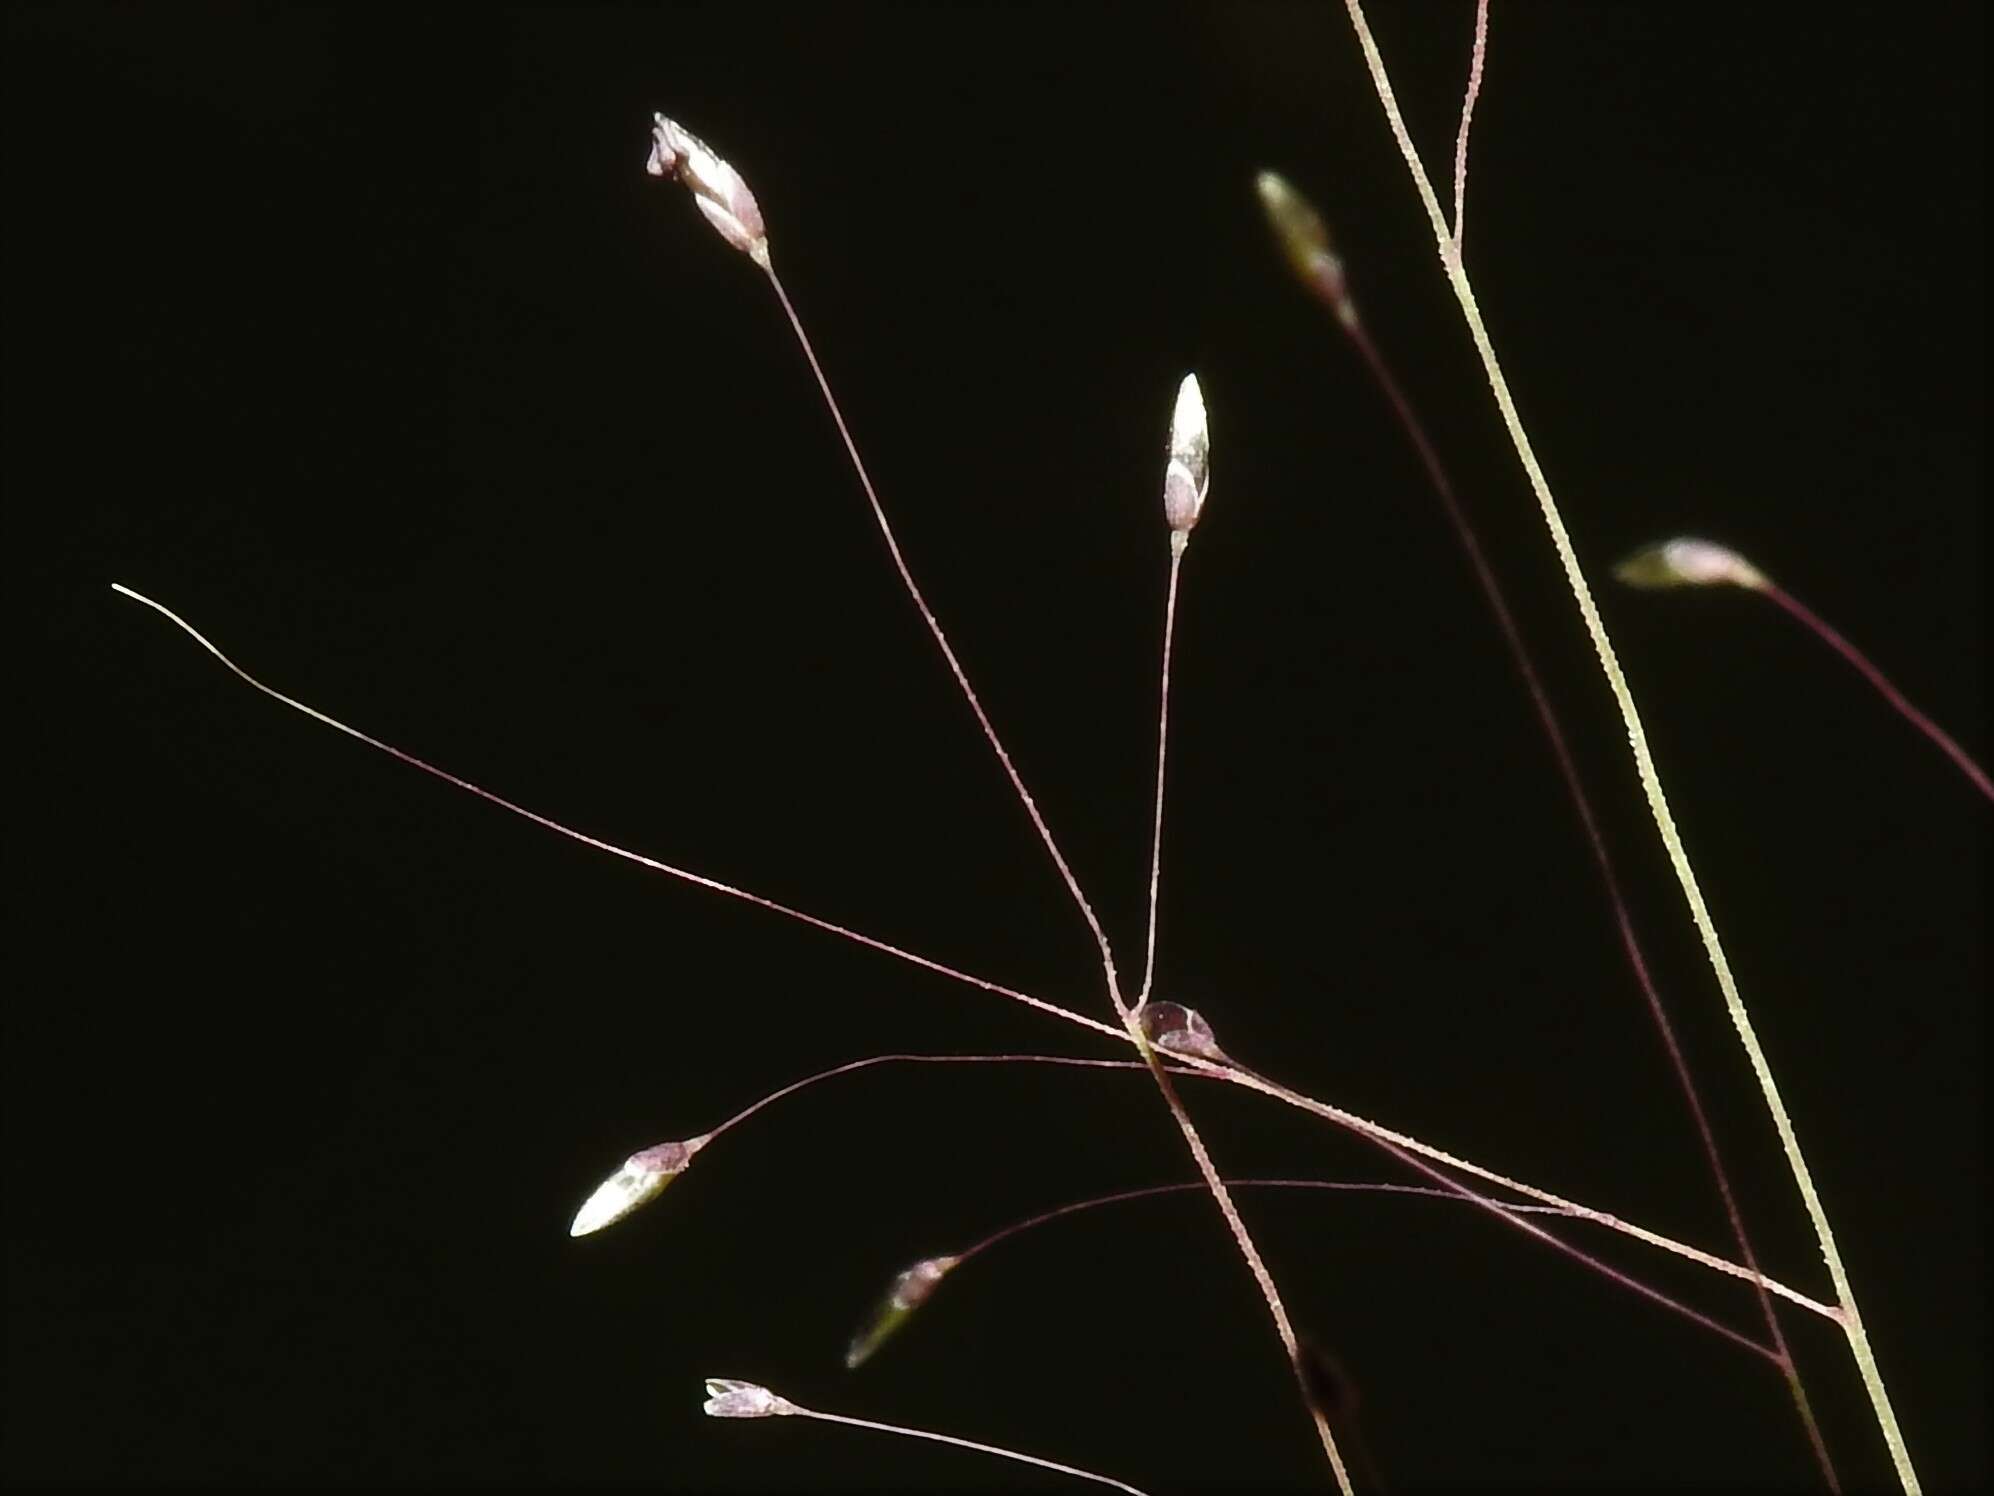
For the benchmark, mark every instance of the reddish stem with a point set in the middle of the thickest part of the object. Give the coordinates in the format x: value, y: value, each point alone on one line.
x: 1149, y: 1191
x: 1162, y: 738
x: 1547, y: 717
x: 1832, y: 637
x: 913, y: 590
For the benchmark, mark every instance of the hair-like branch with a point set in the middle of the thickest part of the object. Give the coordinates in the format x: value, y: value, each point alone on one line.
x: 611, y: 848
x: 1361, y: 1125
x: 727, y: 1397
x: 1475, y: 65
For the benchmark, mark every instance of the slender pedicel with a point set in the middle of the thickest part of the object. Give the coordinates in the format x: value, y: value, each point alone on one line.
x: 713, y: 884
x: 1187, y: 477
x: 1247, y: 1250
x: 642, y: 1177
x: 1186, y: 480
x: 914, y: 1285
x: 723, y: 197
x: 1687, y: 562
x: 728, y: 1398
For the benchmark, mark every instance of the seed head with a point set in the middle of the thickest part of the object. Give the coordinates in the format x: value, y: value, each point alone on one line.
x: 728, y: 1398
x: 1305, y: 244
x: 1687, y: 562
x: 717, y: 189
x: 908, y: 1292
x: 1188, y: 473
x: 640, y: 1180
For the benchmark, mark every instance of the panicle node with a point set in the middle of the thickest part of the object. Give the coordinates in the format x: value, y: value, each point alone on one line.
x: 1176, y: 1029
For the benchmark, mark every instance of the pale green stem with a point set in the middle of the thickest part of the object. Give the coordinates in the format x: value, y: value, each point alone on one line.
x: 1644, y: 761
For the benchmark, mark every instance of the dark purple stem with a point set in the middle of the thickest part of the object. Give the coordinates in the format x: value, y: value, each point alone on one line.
x: 1432, y: 1192
x: 1830, y: 636
x: 917, y: 1059
x: 1547, y: 717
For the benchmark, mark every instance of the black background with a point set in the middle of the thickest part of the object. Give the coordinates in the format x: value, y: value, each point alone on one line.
x: 360, y: 337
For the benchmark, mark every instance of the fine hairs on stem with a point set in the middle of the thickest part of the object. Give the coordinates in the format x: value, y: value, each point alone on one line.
x: 1457, y: 276
x: 1305, y: 242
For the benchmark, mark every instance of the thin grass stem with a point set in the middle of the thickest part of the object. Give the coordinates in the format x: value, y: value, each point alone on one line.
x: 1130, y: 1032
x: 1246, y: 1079
x: 1162, y: 740
x: 1151, y: 1191
x: 1364, y: 1127
x: 1447, y: 1188
x: 732, y: 1399
x: 645, y: 1174
x: 972, y: 1444
x: 920, y: 602
x: 1199, y: 1153
x: 1828, y: 634
x: 697, y: 879
x: 1474, y: 92
x: 870, y: 1061
x: 1412, y: 1159
x: 1464, y: 530
x: 1651, y: 783
x: 1282, y: 1325
x: 913, y: 1287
